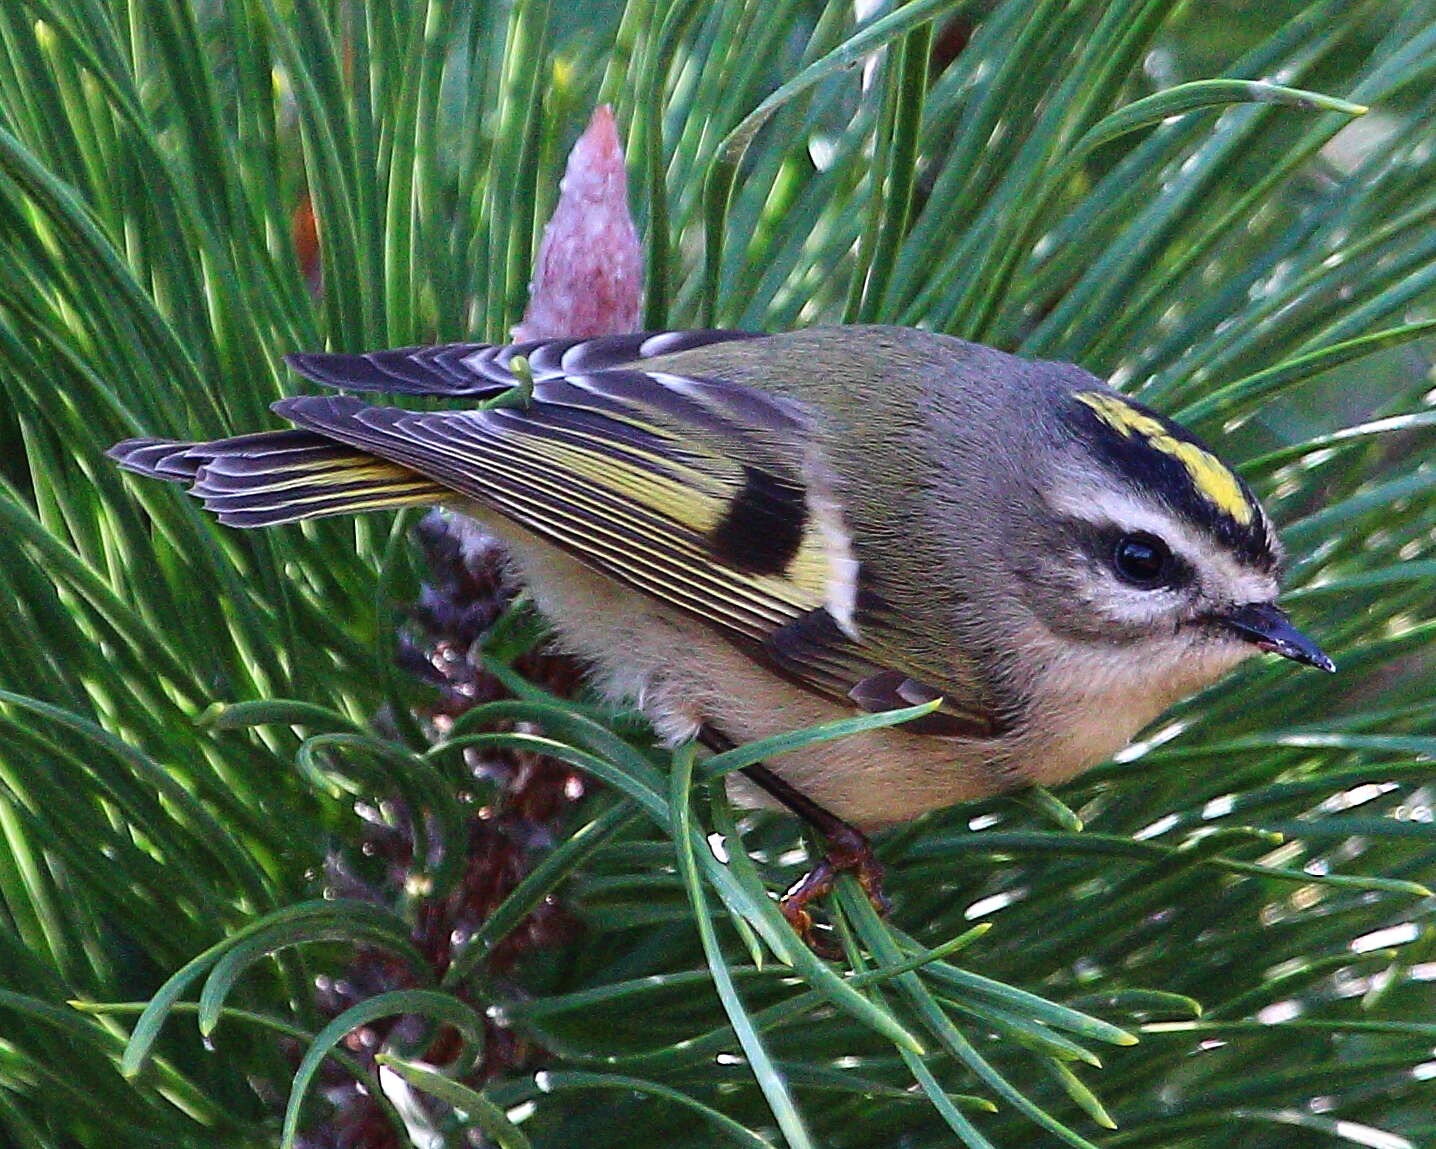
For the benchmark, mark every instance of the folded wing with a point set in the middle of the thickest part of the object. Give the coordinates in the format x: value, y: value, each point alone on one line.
x: 708, y: 495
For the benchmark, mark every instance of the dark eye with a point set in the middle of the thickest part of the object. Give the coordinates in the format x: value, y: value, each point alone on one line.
x: 1142, y: 559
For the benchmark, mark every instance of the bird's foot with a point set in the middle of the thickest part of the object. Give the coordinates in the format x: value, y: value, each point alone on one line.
x: 849, y: 851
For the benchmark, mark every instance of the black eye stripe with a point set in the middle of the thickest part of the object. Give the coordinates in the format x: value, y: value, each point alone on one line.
x: 1096, y: 548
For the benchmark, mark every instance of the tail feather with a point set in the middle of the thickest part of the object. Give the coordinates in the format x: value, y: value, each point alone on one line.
x: 278, y: 476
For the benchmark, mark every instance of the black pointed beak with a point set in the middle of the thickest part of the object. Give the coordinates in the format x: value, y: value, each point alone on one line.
x: 1266, y: 625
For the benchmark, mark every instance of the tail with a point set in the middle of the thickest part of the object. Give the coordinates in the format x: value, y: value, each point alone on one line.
x: 278, y: 476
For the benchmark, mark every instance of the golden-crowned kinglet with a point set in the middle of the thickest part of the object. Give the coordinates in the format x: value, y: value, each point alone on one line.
x: 749, y: 534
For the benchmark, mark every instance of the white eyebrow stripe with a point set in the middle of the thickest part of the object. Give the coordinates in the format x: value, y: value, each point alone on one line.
x: 1106, y: 506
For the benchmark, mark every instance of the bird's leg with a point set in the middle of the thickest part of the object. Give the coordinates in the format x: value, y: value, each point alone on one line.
x: 848, y: 849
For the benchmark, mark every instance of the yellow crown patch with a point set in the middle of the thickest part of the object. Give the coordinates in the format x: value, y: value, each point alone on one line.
x: 1210, y: 476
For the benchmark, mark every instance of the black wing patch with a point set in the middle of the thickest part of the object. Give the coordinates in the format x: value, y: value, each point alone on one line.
x: 762, y: 530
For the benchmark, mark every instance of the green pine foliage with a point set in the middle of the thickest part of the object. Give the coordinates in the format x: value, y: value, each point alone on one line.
x: 1220, y: 938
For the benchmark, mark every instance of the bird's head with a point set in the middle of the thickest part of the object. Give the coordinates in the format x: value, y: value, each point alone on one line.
x: 1149, y: 549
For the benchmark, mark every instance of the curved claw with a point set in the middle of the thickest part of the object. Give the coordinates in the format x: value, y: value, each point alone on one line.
x: 849, y: 851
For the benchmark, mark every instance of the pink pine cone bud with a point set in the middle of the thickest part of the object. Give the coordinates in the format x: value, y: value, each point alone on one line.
x: 589, y: 274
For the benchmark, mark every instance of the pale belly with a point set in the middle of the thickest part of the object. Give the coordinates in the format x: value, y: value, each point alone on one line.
x: 682, y: 675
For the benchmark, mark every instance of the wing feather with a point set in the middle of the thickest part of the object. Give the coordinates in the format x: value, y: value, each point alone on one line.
x: 706, y: 494
x: 622, y: 503
x: 462, y: 369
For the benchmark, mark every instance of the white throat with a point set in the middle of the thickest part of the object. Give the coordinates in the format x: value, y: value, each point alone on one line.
x: 1090, y: 700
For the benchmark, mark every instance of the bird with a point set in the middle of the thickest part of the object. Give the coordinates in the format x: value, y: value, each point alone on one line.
x: 746, y: 534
